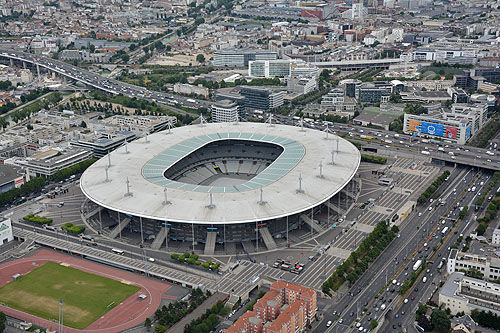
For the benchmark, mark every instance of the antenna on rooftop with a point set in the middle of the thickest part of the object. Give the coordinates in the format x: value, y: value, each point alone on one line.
x: 300, y: 190
x: 301, y: 124
x: 126, y: 147
x: 166, y: 202
x: 146, y: 137
x: 326, y: 130
x: 128, y: 194
x: 109, y: 159
x: 337, y: 144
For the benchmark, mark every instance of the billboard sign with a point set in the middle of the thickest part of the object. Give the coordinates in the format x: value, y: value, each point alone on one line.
x: 414, y: 125
x: 451, y: 132
x: 467, y: 132
x: 432, y: 129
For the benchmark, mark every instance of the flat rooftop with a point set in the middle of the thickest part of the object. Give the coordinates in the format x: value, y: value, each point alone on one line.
x: 146, y: 161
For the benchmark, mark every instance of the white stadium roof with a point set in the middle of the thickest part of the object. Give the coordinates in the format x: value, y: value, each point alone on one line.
x: 146, y: 161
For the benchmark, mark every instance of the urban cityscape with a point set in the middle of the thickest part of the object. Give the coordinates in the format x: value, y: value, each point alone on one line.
x: 248, y: 166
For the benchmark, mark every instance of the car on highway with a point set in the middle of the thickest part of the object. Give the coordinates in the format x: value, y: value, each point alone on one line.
x: 329, y: 323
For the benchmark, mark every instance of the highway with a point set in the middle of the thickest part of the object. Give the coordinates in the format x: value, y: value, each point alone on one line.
x: 422, y: 291
x: 412, y: 235
x: 103, y: 83
x: 375, y: 139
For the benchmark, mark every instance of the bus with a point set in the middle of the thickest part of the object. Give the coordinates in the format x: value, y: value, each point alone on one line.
x: 445, y: 229
x: 117, y: 251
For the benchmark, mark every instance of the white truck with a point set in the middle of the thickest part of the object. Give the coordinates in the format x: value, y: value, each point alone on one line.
x: 425, y: 152
x: 417, y: 265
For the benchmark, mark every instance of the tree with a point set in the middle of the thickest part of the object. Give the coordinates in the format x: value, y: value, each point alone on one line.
x: 200, y: 58
x: 373, y: 324
x: 160, y: 329
x: 440, y: 321
x: 147, y: 323
x: 3, y: 319
x: 425, y: 323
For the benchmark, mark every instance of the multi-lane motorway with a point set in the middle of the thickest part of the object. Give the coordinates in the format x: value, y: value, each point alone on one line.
x: 103, y: 83
x: 413, y: 234
x: 375, y: 139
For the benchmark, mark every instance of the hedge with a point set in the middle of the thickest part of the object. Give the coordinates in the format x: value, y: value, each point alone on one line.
x: 38, y: 219
x: 373, y: 159
x: 74, y: 229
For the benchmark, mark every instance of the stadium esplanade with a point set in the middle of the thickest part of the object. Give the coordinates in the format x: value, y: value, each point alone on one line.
x: 221, y: 183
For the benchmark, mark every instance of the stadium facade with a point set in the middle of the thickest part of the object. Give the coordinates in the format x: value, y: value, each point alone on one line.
x: 221, y: 183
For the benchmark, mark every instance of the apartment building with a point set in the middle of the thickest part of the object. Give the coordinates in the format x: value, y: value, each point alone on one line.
x: 461, y: 293
x: 225, y: 111
x: 489, y: 266
x: 281, y: 68
x: 286, y: 308
x: 241, y: 57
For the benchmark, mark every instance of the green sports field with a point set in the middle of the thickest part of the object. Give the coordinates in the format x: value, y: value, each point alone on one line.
x: 86, y: 296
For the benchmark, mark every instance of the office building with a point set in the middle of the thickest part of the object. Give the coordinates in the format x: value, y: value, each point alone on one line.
x: 301, y: 85
x: 281, y: 68
x: 262, y: 99
x: 373, y: 93
x: 10, y: 177
x: 350, y: 86
x: 285, y: 308
x: 225, y: 111
x: 458, y: 95
x: 101, y: 143
x: 461, y: 293
x: 48, y: 161
x: 489, y: 266
x: 6, y: 231
x: 457, y: 126
x: 241, y: 57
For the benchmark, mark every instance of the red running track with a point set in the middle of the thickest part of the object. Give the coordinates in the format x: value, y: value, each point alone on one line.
x: 127, y: 314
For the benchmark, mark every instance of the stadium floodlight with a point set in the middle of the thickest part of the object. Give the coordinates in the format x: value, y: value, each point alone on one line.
x: 128, y: 194
x: 166, y: 202
x: 321, y: 170
x: 211, y: 205
x: 300, y: 190
x: 106, y: 168
x: 261, y: 201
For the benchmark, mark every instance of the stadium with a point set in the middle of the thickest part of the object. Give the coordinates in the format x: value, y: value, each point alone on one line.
x: 222, y: 186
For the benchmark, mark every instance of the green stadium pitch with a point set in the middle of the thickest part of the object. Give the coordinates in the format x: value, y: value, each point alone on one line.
x: 86, y: 296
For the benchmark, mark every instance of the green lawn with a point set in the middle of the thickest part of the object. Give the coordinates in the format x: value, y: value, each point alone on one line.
x: 86, y: 296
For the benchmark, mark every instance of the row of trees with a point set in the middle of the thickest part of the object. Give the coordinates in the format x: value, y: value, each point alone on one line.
x: 209, y: 320
x: 357, y: 263
x: 487, y: 319
x: 34, y: 185
x: 413, y: 277
x: 491, y: 184
x: 373, y: 159
x: 166, y: 316
x: 489, y: 215
x: 73, y: 170
x: 433, y: 188
x: 482, y: 138
x: 149, y: 106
